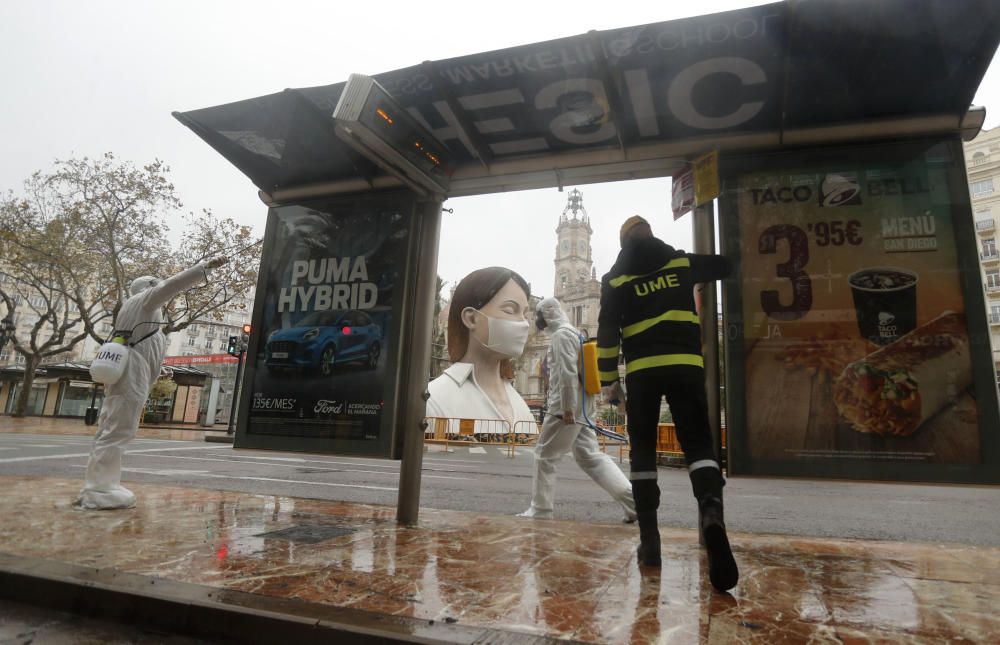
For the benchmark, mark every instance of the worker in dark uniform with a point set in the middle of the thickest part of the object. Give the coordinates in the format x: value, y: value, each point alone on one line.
x: 648, y: 313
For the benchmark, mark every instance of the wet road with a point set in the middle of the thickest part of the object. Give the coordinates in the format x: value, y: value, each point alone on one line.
x: 483, y: 479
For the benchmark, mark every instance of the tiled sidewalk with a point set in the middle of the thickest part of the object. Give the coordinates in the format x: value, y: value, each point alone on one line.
x: 535, y: 578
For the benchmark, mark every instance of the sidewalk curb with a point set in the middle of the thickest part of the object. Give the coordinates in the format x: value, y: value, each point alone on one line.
x: 232, y: 616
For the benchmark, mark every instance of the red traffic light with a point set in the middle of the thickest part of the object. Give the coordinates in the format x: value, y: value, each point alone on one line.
x: 246, y: 329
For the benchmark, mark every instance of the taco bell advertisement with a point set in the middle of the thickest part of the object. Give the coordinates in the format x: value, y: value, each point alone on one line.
x: 855, y: 340
x: 325, y: 359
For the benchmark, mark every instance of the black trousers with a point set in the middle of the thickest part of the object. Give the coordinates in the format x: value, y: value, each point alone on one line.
x: 684, y: 388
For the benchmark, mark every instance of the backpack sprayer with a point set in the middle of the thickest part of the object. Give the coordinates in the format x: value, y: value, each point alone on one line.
x: 590, y: 380
x: 109, y: 365
x: 590, y: 383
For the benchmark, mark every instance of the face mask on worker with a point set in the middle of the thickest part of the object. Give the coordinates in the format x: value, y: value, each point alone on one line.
x: 540, y: 322
x: 506, y: 337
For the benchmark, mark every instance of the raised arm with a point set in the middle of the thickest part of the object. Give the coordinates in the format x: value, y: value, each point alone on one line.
x: 161, y: 293
x: 709, y: 268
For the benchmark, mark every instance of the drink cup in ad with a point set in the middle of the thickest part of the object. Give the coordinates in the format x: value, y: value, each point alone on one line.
x: 885, y: 302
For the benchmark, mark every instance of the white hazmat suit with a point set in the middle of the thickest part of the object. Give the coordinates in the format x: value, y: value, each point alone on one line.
x: 565, y: 394
x: 123, y: 401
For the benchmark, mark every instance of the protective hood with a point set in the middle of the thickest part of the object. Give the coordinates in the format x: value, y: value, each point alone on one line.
x: 551, y: 311
x: 141, y: 284
x: 643, y: 255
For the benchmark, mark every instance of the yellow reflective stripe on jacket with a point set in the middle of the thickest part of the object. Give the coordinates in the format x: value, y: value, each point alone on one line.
x: 674, y: 315
x: 608, y: 376
x: 608, y: 352
x: 673, y: 264
x: 664, y: 360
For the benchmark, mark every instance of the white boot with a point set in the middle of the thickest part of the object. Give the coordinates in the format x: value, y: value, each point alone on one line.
x: 537, y: 514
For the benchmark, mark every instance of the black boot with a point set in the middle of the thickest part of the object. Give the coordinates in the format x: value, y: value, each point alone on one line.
x: 649, y: 540
x: 722, y: 570
x: 647, y: 499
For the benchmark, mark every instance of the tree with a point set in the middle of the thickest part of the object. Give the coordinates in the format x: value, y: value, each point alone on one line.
x: 45, y: 271
x: 439, y: 346
x: 77, y: 237
x: 207, y: 236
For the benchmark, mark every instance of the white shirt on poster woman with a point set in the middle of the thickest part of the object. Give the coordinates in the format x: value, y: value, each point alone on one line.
x: 456, y: 395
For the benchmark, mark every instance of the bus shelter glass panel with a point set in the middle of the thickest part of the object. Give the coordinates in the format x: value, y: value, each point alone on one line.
x: 856, y: 328
x: 322, y: 369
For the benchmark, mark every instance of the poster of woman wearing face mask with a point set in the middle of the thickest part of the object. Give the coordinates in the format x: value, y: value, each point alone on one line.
x: 487, y: 330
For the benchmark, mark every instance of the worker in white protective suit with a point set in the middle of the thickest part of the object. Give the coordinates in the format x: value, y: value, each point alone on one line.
x: 563, y: 429
x: 142, y: 315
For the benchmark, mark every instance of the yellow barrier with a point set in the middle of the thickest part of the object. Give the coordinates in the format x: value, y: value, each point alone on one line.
x: 666, y: 438
x: 527, y: 429
x: 622, y: 445
x: 445, y: 430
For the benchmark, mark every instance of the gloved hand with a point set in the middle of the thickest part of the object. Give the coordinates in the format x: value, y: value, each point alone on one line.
x: 568, y: 417
x: 614, y: 395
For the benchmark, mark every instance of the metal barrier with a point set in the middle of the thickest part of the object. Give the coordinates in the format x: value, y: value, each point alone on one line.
x: 666, y: 440
x: 606, y: 441
x: 497, y: 432
x: 529, y: 430
x: 481, y: 432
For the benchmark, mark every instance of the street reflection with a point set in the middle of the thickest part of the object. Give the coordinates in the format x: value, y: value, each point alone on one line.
x: 558, y: 579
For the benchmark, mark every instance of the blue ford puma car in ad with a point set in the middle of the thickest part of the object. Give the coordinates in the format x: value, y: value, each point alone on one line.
x: 324, y: 339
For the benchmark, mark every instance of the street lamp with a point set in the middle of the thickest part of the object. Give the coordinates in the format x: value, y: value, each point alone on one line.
x: 6, y: 331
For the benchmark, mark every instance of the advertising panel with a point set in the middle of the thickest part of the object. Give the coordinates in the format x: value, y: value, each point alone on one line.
x: 321, y: 370
x: 851, y: 334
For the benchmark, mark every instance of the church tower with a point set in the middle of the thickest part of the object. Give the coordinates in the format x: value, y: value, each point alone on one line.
x: 576, y: 284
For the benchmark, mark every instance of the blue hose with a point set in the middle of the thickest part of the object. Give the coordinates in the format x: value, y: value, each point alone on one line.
x: 590, y: 424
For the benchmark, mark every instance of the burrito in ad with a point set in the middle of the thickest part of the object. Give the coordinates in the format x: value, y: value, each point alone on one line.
x: 896, y: 389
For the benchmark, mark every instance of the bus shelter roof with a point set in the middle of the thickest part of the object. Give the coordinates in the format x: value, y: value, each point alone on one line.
x: 640, y: 101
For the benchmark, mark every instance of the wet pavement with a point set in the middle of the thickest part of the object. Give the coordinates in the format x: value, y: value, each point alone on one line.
x: 519, y: 578
x: 28, y: 625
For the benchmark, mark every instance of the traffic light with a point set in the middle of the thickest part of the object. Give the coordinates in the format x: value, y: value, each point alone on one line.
x: 245, y: 339
x: 233, y: 348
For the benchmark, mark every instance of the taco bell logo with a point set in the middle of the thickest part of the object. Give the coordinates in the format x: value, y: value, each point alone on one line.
x: 839, y: 190
x: 886, y: 328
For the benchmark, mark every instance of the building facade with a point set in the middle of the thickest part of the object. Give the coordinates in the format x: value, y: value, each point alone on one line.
x: 982, y: 157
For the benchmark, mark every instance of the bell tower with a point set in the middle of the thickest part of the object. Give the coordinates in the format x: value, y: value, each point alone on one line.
x: 576, y: 285
x: 572, y: 259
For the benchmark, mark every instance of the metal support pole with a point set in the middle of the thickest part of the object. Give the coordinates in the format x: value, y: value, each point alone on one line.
x: 413, y: 405
x: 704, y: 243
x: 236, y: 395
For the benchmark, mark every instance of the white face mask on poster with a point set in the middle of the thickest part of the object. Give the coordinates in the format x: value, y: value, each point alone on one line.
x: 507, y: 337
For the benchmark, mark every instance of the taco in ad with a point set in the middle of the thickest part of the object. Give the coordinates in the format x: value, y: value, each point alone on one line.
x: 894, y: 390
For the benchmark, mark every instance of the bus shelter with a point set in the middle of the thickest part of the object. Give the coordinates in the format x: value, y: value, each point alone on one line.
x: 854, y: 329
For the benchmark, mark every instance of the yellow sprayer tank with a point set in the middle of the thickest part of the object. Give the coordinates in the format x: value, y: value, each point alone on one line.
x: 588, y: 367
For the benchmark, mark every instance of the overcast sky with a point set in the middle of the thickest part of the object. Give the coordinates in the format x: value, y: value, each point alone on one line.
x: 82, y: 78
